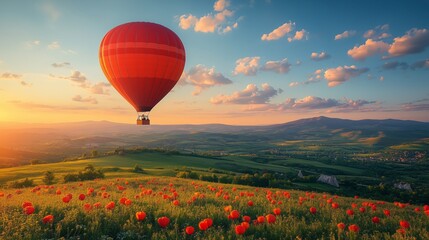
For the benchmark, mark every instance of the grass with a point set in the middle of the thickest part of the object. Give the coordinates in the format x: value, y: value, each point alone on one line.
x: 197, y: 201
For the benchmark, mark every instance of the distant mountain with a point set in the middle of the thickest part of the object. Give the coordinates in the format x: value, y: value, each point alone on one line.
x: 71, y: 139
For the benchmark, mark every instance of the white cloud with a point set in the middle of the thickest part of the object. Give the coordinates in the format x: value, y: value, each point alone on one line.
x: 319, y: 56
x: 247, y: 66
x: 220, y: 5
x: 100, y: 88
x: 368, y: 49
x: 336, y: 76
x: 202, y: 77
x: 79, y: 98
x: 212, y: 22
x: 378, y: 32
x: 54, y: 45
x: 345, y: 34
x: 315, y: 77
x: 282, y: 66
x: 250, y: 95
x: 299, y: 35
x: 414, y: 41
x: 278, y: 32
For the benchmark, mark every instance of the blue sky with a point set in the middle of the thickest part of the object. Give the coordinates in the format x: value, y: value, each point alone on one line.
x: 248, y: 62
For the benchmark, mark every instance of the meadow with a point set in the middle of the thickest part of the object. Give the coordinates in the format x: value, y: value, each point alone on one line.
x: 149, y: 207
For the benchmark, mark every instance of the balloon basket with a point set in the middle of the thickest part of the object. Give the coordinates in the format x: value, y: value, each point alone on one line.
x: 143, y: 122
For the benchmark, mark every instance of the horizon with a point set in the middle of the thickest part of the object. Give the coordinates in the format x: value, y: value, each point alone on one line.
x: 247, y: 63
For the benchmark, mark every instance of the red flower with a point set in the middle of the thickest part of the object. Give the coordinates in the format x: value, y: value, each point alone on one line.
x: 341, y: 226
x: 110, y: 206
x: 401, y: 231
x: 190, y: 230
x: 362, y: 209
x: 426, y: 207
x: 66, y: 199
x: 209, y: 222
x: 97, y: 205
x: 277, y: 211
x: 240, y: 230
x: 87, y: 207
x: 140, y: 216
x: 313, y: 210
x: 354, y: 228
x: 250, y: 203
x: 246, y: 225
x: 260, y: 219
x: 246, y: 219
x: 386, y: 212
x: 163, y: 222
x: 270, y: 218
x: 29, y: 210
x: 81, y: 196
x: 26, y: 204
x: 404, y: 224
x: 176, y: 203
x: 376, y: 220
x: 48, y: 219
x: 203, y: 225
x: 335, y: 205
x: 350, y: 212
x: 234, y: 214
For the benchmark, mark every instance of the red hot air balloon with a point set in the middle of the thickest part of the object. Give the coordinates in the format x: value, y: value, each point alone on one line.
x: 143, y: 61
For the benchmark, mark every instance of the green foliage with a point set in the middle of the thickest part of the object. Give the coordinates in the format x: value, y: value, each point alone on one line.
x: 48, y: 178
x: 21, y: 184
x: 89, y: 173
x: 138, y: 169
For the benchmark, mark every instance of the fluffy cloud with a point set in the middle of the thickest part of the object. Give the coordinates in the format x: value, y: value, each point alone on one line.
x: 345, y: 34
x: 75, y: 76
x: 8, y: 75
x: 415, y: 41
x: 250, y: 95
x: 202, y: 77
x: 299, y: 35
x: 279, y: 32
x: 220, y: 5
x: 100, y: 88
x: 378, y: 32
x: 211, y: 22
x: 82, y: 81
x: 336, y: 76
x: 79, y: 98
x: 247, y: 66
x: 54, y: 45
x: 319, y: 56
x: 59, y: 65
x: 368, y: 49
x: 282, y: 66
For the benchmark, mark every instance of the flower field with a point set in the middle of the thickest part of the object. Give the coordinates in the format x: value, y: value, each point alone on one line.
x: 171, y: 208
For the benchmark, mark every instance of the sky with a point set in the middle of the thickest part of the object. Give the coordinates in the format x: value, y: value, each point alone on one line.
x: 248, y: 62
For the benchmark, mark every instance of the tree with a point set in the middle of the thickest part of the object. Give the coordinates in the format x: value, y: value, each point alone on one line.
x: 94, y: 153
x: 48, y: 178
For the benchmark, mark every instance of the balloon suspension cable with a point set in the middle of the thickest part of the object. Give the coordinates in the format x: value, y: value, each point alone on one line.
x: 143, y: 116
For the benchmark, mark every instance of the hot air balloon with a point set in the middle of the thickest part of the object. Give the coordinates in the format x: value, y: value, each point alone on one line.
x: 143, y: 61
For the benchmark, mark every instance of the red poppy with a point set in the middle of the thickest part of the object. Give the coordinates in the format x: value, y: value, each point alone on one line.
x: 260, y: 219
x: 362, y: 209
x: 313, y: 210
x: 376, y: 220
x: 341, y: 226
x: 246, y: 218
x: 250, y: 203
x: 401, y: 231
x: 416, y: 209
x: 240, y: 230
x: 335, y: 205
x: 427, y: 212
x: 110, y: 205
x: 189, y: 230
x: 203, y: 225
x: 97, y: 205
x: 277, y: 211
x: 270, y: 218
x: 26, y: 204
x: 29, y: 210
x: 66, y: 199
x: 426, y: 207
x: 386, y: 212
x: 350, y: 212
x: 82, y: 196
x: 48, y: 219
x: 354, y: 228
x: 176, y: 203
x: 128, y: 202
x: 234, y: 214
x: 209, y: 222
x: 404, y: 224
x: 163, y: 222
x: 246, y: 225
x: 87, y: 207
x: 140, y: 216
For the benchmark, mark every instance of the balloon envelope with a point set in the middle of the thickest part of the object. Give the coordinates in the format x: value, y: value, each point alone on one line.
x: 143, y: 61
